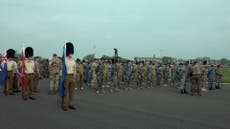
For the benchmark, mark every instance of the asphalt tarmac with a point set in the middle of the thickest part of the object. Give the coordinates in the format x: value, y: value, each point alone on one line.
x: 154, y: 108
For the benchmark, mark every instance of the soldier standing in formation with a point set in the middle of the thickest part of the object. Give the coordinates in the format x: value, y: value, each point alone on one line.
x: 183, y: 81
x: 70, y: 78
x: 37, y: 75
x: 100, y: 77
x: 11, y: 69
x: 196, y: 78
x: 29, y: 74
x: 79, y: 75
x: 204, y: 75
x: 106, y: 74
x: 94, y: 75
x: 55, y: 65
x: 218, y: 77
x: 210, y: 77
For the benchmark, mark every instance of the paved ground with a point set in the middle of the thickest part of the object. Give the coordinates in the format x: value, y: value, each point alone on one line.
x: 157, y: 108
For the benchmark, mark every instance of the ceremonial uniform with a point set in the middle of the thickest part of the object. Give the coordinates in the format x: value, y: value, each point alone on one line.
x: 11, y: 69
x: 29, y: 74
x: 70, y: 78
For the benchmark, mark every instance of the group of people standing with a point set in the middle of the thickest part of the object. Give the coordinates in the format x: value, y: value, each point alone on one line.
x: 17, y: 69
x: 107, y: 75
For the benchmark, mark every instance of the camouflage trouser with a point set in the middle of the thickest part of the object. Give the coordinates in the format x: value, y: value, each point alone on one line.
x: 36, y: 80
x: 166, y: 77
x: 158, y: 80
x: 94, y: 81
x: 218, y: 81
x: 127, y: 79
x: 183, y: 83
x: 99, y: 83
x: 140, y: 81
x: 54, y: 79
x: 79, y: 80
x: 117, y: 81
x: 149, y: 80
x: 196, y: 80
x: 106, y: 79
x: 204, y: 80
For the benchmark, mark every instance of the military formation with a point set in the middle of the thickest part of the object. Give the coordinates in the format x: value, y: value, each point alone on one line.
x: 106, y: 76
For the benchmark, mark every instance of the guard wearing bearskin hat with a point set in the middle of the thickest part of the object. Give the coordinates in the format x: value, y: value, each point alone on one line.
x: 70, y: 78
x: 11, y: 69
x: 29, y: 74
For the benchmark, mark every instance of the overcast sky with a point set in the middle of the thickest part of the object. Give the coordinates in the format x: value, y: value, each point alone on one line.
x: 178, y: 28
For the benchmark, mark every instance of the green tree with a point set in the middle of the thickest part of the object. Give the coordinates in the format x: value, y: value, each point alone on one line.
x: 105, y: 57
x: 223, y: 61
x: 89, y: 57
x: 166, y: 60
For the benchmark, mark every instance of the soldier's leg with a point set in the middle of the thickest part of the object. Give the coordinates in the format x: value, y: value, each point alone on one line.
x: 52, y: 83
x: 15, y: 83
x: 65, y: 100
x: 31, y: 84
x: 7, y: 84
x: 81, y: 82
x: 26, y: 90
x: 36, y: 80
x: 71, y: 90
x: 193, y: 86
x: 10, y: 84
x: 218, y: 83
x: 199, y: 86
x: 56, y: 83
x: 77, y: 81
x: 182, y: 85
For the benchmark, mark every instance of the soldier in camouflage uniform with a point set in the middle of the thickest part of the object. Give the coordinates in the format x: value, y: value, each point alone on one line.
x: 117, y: 76
x: 140, y: 75
x: 89, y: 73
x: 149, y: 75
x: 94, y: 75
x: 85, y: 71
x: 218, y: 76
x: 145, y: 74
x: 128, y: 71
x: 106, y: 74
x: 135, y: 73
x: 55, y: 65
x: 158, y: 74
x: 173, y: 74
x: 166, y: 74
x: 79, y: 75
x: 204, y: 74
x: 153, y: 74
x: 111, y: 76
x: 100, y: 77
x: 178, y: 75
x: 184, y: 73
x: 37, y: 74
